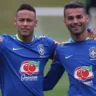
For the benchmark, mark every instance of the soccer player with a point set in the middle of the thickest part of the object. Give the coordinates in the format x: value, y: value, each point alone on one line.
x: 77, y: 55
x: 23, y: 56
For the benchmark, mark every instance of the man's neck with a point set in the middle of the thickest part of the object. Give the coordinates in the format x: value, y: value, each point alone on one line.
x: 25, y: 39
x: 80, y: 37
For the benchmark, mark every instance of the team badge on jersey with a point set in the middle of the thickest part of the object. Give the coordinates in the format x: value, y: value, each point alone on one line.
x: 92, y: 52
x: 83, y: 73
x: 41, y: 49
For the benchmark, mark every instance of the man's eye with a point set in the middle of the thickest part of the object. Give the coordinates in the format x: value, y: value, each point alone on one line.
x: 29, y: 20
x: 70, y: 18
x: 79, y: 17
x: 21, y: 20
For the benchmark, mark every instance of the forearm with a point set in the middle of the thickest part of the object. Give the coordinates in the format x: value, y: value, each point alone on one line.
x: 52, y: 77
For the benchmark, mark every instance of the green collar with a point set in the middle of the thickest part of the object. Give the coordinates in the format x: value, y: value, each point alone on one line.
x: 34, y: 36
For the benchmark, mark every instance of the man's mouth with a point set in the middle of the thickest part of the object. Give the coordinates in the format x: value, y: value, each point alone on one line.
x: 24, y: 29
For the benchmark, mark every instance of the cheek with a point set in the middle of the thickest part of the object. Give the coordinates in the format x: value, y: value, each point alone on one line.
x: 32, y: 25
x: 83, y: 22
x: 18, y: 24
x: 18, y: 27
x: 68, y: 24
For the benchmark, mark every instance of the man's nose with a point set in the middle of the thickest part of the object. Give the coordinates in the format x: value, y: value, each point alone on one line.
x: 25, y: 22
x: 75, y: 20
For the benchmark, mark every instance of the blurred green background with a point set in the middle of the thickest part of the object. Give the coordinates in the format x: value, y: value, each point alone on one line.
x: 51, y: 26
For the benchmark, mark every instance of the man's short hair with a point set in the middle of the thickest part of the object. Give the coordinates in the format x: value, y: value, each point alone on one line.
x: 74, y: 5
x: 26, y: 7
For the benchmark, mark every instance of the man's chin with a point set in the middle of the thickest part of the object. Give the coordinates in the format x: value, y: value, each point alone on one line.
x: 25, y: 35
x: 77, y: 33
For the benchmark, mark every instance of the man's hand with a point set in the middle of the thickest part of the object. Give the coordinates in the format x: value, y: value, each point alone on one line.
x: 92, y: 33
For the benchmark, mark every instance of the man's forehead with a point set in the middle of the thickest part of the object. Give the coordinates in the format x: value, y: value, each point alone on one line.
x: 25, y: 13
x: 74, y: 11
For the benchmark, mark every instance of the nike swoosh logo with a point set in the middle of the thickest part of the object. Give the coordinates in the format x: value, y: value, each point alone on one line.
x: 16, y: 49
x: 67, y: 57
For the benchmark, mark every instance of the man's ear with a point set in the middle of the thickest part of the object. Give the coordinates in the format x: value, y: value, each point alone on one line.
x: 36, y: 22
x: 64, y: 21
x: 14, y: 21
x: 87, y: 18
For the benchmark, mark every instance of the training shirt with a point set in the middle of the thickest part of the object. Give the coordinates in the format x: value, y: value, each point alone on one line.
x: 23, y: 64
x: 79, y: 60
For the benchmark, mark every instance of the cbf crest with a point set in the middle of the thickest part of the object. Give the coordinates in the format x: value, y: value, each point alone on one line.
x: 41, y: 49
x: 92, y: 52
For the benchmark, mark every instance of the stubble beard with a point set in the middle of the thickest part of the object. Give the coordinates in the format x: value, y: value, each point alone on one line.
x: 78, y: 32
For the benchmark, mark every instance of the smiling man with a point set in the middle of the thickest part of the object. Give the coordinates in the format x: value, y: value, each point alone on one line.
x: 77, y: 55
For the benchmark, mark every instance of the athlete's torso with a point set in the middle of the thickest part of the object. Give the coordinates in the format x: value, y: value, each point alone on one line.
x: 23, y: 65
x: 79, y: 60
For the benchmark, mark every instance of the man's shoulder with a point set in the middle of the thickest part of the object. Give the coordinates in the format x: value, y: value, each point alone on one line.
x: 64, y: 44
x: 3, y: 37
x: 48, y: 40
x: 44, y: 37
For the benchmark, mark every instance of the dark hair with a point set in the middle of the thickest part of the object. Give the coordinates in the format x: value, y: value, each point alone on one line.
x: 26, y: 7
x: 74, y: 5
